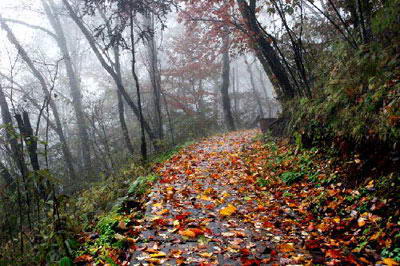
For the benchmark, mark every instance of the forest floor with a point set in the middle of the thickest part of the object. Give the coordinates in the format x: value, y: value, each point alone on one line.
x: 237, y: 200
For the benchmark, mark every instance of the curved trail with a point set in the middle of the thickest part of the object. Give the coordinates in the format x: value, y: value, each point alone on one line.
x: 207, y: 209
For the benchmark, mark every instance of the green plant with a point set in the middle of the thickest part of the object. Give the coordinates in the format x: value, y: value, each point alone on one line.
x: 262, y: 182
x: 287, y: 194
x: 291, y: 177
x: 391, y: 253
x: 66, y: 261
x: 140, y: 185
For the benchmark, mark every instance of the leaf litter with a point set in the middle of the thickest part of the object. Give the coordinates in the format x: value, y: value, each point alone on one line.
x: 219, y: 201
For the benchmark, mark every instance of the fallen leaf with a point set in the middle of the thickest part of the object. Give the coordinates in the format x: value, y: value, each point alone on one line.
x: 83, y: 258
x: 287, y: 247
x: 191, y: 232
x: 361, y: 222
x: 162, y: 212
x: 158, y: 255
x: 390, y: 262
x: 333, y: 253
x: 206, y: 254
x: 228, y: 211
x: 122, y: 225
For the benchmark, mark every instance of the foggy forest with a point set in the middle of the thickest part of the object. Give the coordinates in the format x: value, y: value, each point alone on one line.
x: 199, y: 132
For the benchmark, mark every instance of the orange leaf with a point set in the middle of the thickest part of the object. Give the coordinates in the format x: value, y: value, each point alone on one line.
x: 361, y: 222
x: 191, y: 232
x: 162, y: 212
x: 287, y: 247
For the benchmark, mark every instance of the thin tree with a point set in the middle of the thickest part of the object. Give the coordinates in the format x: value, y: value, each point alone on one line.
x: 75, y: 89
x: 226, y: 101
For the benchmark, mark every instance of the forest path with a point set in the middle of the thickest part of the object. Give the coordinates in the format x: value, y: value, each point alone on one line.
x: 208, y: 209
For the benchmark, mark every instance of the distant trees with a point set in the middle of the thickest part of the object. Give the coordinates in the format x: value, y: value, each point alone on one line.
x: 286, y: 49
x: 73, y: 79
x: 47, y: 92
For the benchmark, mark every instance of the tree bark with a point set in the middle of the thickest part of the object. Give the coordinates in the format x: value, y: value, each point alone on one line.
x: 226, y: 101
x: 265, y: 50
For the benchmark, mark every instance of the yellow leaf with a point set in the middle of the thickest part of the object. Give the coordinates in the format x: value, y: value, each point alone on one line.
x: 158, y: 255
x: 208, y: 191
x: 206, y: 255
x: 205, y: 197
x: 390, y: 262
x: 157, y: 205
x: 228, y: 211
x: 225, y: 194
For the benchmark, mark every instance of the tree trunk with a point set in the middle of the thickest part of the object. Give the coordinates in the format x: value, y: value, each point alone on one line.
x: 75, y: 89
x: 234, y: 91
x: 124, y: 128
x: 121, y: 108
x: 16, y: 153
x: 26, y: 131
x: 266, y: 53
x: 5, y: 174
x: 11, y: 135
x: 226, y: 101
x: 143, y: 146
x: 154, y: 72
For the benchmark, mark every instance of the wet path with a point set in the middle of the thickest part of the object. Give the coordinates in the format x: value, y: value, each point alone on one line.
x: 207, y: 209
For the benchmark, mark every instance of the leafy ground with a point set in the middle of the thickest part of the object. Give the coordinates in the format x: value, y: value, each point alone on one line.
x: 235, y: 199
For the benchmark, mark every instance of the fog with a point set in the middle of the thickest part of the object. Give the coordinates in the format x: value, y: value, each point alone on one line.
x: 58, y: 71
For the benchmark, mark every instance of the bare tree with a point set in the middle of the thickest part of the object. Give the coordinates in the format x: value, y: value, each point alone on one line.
x: 110, y: 70
x: 25, y: 57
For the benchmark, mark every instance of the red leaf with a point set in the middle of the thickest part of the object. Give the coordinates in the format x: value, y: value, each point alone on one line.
x: 333, y: 253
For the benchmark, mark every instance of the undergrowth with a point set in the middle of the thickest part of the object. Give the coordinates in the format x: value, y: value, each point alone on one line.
x: 121, y: 200
x: 367, y: 214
